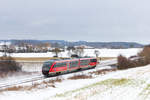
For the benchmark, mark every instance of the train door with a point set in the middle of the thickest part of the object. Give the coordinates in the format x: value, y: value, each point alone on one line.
x: 68, y: 65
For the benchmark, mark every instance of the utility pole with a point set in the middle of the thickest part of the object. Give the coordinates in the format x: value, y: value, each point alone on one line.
x: 5, y: 47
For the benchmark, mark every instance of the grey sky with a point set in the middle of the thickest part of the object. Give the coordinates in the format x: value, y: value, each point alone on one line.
x: 90, y: 20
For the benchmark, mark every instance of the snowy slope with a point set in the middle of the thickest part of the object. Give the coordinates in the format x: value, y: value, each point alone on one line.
x: 131, y: 84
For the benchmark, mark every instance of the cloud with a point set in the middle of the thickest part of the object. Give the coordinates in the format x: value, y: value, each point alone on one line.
x: 91, y: 20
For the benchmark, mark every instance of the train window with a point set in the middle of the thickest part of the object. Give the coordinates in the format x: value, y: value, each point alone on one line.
x: 74, y: 64
x: 60, y: 65
x: 84, y: 62
x: 93, y: 60
x: 64, y: 64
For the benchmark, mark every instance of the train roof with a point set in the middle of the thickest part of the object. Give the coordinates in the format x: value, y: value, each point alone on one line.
x: 52, y: 60
x: 67, y: 59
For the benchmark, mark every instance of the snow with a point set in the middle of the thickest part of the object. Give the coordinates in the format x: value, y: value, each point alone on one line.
x: 18, y: 77
x: 134, y: 84
x: 5, y: 43
x: 113, y: 52
x: 131, y: 84
x: 87, y: 52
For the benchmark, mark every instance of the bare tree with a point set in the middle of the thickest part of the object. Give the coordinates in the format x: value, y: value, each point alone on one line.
x: 56, y: 51
x: 79, y: 51
x: 46, y: 46
x: 70, y: 49
x: 56, y: 45
x: 5, y: 48
x: 96, y: 52
x: 69, y: 53
x: 8, y: 64
x: 43, y: 47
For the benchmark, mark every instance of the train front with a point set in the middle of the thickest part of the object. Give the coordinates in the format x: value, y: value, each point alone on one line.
x: 46, y: 67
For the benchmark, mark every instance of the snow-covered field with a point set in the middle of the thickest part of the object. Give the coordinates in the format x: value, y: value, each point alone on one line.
x: 131, y: 84
x: 113, y: 52
x: 87, y: 52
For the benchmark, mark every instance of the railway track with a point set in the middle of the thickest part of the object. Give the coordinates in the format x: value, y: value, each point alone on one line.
x: 6, y: 85
x: 41, y: 77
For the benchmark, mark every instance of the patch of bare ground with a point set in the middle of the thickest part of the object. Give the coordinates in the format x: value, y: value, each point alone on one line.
x: 103, y: 71
x: 40, y: 85
x: 75, y: 77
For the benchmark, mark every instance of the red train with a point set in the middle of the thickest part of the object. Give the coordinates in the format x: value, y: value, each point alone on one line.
x: 54, y: 67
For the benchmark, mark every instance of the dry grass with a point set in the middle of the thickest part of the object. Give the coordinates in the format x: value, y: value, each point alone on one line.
x: 15, y: 88
x: 75, y: 77
x: 48, y: 58
x: 41, y: 85
x: 33, y: 58
x: 103, y: 71
x: 56, y: 80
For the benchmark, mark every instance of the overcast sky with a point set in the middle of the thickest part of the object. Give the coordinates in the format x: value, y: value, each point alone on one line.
x: 73, y: 20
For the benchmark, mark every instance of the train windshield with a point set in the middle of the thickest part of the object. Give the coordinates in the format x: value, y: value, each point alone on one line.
x: 47, y: 64
x: 46, y: 67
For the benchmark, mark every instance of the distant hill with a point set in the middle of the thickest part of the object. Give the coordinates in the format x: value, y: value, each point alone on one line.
x: 63, y: 43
